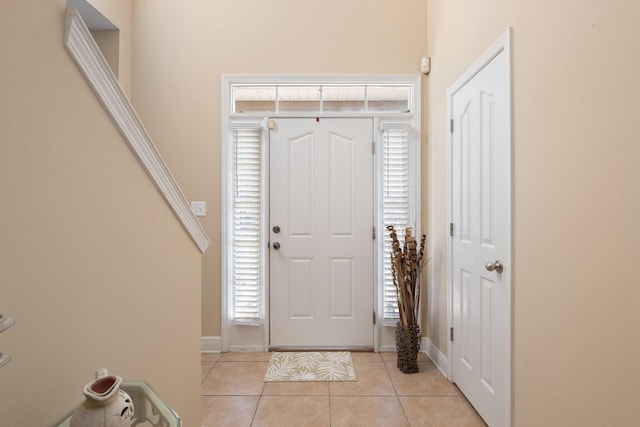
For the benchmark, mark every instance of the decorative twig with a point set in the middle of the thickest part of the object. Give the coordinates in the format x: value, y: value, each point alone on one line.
x: 406, y: 264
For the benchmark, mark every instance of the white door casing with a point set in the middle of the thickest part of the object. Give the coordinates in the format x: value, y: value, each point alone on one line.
x: 321, y: 198
x: 480, y: 195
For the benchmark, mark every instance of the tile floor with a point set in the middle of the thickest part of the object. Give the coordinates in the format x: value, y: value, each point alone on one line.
x: 233, y: 394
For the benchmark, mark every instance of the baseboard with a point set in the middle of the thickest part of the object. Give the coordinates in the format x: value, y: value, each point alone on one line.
x: 214, y: 345
x: 247, y: 349
x: 387, y: 348
x: 211, y: 344
x: 439, y: 359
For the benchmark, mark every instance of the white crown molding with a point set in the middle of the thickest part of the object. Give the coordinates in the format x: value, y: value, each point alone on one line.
x: 83, y: 49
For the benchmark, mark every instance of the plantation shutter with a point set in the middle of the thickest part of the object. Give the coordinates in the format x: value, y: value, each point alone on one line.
x: 246, y: 226
x: 396, y: 202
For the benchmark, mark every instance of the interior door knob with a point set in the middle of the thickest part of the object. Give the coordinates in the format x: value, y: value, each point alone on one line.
x: 494, y: 266
x: 276, y: 245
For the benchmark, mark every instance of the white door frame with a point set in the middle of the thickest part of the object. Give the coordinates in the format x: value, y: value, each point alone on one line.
x: 503, y: 44
x: 256, y: 337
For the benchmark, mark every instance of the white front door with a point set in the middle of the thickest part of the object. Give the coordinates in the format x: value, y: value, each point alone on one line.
x: 480, y: 186
x: 321, y: 243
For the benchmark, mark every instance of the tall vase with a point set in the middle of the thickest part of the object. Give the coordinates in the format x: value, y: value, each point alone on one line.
x: 105, y: 404
x: 408, y: 345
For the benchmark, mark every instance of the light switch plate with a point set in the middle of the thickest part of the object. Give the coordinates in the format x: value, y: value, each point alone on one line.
x: 199, y: 208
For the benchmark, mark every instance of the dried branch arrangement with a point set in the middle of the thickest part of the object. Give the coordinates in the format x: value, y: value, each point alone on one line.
x: 406, y: 263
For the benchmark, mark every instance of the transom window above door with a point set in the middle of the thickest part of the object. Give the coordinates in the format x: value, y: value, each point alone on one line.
x: 319, y: 98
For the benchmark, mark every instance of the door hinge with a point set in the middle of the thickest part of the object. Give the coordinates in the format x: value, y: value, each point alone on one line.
x: 451, y: 229
x: 451, y: 125
x: 374, y: 317
x: 373, y: 147
x: 373, y: 232
x: 451, y: 334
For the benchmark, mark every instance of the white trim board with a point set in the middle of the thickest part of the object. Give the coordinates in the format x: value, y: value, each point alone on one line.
x: 210, y: 344
x: 86, y: 53
x: 436, y: 356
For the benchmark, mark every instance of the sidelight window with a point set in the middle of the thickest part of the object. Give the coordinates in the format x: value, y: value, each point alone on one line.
x: 246, y: 196
x: 398, y: 201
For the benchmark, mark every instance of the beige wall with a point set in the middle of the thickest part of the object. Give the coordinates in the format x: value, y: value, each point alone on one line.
x: 576, y: 202
x: 109, y: 43
x: 94, y: 267
x: 120, y: 13
x: 183, y: 49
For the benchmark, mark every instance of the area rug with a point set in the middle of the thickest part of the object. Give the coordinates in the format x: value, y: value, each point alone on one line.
x: 310, y: 366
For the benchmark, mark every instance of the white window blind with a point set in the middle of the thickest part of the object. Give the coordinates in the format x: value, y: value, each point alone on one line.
x: 246, y: 226
x: 396, y: 202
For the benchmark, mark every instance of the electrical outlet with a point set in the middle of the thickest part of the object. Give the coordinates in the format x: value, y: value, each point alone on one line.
x: 199, y: 208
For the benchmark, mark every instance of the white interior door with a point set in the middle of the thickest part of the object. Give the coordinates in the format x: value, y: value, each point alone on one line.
x: 321, y: 253
x: 480, y: 185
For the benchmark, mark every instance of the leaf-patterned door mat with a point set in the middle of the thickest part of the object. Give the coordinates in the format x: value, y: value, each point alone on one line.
x: 310, y: 366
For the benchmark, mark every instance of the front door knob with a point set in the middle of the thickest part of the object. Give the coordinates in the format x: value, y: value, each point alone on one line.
x: 276, y: 245
x: 495, y: 266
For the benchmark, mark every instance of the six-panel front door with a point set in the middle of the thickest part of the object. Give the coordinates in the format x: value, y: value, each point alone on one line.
x: 480, y: 186
x: 321, y: 244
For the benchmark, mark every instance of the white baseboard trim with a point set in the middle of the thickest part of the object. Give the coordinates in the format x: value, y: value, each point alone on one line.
x: 211, y: 344
x: 214, y: 345
x: 248, y: 349
x: 439, y: 359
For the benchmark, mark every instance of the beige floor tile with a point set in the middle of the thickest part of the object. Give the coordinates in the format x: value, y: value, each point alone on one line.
x: 440, y: 412
x: 231, y: 396
x: 348, y: 411
x: 206, y: 368
x: 292, y: 411
x: 301, y: 388
x: 235, y: 378
x: 373, y: 380
x: 209, y: 357
x: 228, y: 411
x: 428, y: 382
x: 366, y: 357
x: 389, y: 356
x: 245, y: 357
